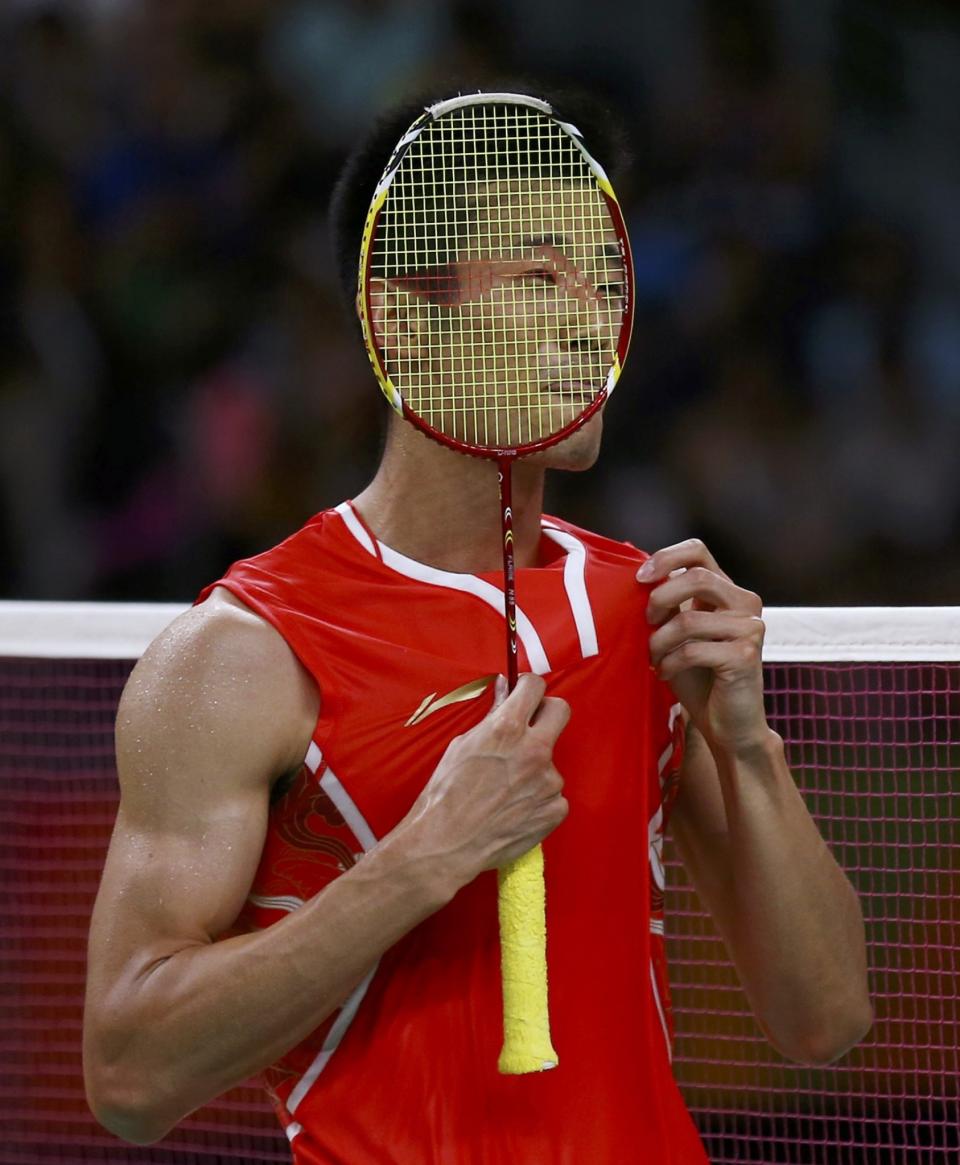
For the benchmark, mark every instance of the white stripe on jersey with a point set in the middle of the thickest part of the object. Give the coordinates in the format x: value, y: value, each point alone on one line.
x: 574, y: 583
x: 660, y: 1012
x: 655, y: 846
x: 331, y: 1043
x: 364, y: 834
x: 471, y: 585
x: 356, y: 527
x: 675, y: 711
x: 468, y: 583
x: 286, y: 903
x: 348, y: 809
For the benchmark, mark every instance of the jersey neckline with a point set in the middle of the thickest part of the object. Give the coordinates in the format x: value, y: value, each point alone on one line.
x: 356, y: 525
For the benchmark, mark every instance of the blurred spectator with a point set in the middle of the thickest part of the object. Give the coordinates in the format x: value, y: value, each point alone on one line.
x: 179, y: 387
x: 345, y: 59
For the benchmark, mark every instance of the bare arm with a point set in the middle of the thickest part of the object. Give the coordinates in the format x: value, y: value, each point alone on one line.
x: 790, y: 918
x: 787, y: 913
x: 215, y: 711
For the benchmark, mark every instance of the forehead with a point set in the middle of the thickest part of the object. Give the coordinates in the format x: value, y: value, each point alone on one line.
x: 525, y: 214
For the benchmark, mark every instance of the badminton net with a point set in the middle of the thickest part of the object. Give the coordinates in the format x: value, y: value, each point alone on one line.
x: 868, y: 703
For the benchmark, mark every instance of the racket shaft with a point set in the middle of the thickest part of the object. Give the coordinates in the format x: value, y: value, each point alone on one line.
x: 522, y: 894
x: 505, y: 478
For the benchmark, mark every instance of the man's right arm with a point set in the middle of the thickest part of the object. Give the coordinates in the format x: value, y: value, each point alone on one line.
x: 215, y: 711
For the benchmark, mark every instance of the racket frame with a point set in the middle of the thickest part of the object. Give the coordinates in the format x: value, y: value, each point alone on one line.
x: 365, y: 307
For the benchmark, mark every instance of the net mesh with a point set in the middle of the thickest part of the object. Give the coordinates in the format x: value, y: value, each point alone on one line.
x: 497, y: 283
x: 58, y: 799
x: 875, y: 748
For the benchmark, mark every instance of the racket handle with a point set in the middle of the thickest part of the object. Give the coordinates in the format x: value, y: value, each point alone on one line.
x: 523, y: 954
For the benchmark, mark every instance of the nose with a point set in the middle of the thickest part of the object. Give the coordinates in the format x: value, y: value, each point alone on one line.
x: 585, y: 343
x: 584, y: 325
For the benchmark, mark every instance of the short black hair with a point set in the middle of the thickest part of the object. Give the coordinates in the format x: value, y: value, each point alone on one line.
x: 603, y: 132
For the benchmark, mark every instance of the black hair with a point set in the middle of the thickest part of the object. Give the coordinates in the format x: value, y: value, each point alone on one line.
x: 603, y: 133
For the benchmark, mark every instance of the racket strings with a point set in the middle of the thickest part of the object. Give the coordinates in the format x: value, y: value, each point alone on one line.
x: 489, y: 253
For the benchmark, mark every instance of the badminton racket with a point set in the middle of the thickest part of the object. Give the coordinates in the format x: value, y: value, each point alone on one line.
x: 495, y: 293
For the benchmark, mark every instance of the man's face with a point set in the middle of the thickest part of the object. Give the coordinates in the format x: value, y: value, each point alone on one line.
x: 523, y: 332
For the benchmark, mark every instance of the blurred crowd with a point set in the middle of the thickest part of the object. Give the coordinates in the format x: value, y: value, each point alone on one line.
x: 179, y: 385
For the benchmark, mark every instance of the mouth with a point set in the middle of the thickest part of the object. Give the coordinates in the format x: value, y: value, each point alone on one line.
x: 578, y: 391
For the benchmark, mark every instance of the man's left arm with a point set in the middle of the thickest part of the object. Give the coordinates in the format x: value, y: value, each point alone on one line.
x: 790, y: 919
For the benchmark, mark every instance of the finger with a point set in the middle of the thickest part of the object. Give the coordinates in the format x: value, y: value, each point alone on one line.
x: 499, y: 692
x: 704, y: 585
x: 738, y: 656
x: 716, y: 626
x: 552, y: 783
x: 690, y: 553
x: 523, y: 701
x: 551, y: 718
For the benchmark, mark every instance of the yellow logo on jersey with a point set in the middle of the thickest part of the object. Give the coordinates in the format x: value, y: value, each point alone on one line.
x: 432, y: 703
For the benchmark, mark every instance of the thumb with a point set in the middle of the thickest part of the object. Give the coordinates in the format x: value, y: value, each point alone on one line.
x: 499, y: 692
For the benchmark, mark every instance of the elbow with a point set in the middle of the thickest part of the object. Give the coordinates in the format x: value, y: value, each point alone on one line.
x: 123, y: 1107
x: 133, y: 1126
x: 131, y: 1123
x: 824, y: 1042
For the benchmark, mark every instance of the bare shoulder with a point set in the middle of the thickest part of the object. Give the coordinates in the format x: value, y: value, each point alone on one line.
x: 217, y: 710
x: 219, y: 679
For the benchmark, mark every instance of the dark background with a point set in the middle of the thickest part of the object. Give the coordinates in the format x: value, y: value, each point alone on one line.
x: 179, y: 385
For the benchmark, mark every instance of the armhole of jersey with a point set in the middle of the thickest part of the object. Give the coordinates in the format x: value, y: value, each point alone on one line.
x: 677, y: 722
x: 247, y: 594
x: 671, y: 729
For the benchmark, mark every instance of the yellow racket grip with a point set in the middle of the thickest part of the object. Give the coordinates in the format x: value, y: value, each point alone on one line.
x: 523, y: 958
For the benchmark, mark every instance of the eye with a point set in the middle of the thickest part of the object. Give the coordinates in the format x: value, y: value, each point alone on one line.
x: 611, y: 290
x: 540, y: 275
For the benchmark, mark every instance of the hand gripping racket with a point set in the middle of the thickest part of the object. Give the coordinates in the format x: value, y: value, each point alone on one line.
x: 495, y: 292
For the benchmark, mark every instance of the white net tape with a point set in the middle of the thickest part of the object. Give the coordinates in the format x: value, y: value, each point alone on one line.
x: 794, y: 634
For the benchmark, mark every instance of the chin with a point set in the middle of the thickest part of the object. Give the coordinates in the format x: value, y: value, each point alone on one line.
x: 577, y: 452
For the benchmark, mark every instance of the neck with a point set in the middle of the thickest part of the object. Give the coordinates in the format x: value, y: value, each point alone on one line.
x: 441, y: 507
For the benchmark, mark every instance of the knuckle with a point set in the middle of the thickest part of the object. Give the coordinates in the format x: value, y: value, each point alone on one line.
x: 456, y: 744
x: 532, y: 681
x: 685, y: 621
x: 538, y: 755
x: 504, y: 724
x: 560, y: 705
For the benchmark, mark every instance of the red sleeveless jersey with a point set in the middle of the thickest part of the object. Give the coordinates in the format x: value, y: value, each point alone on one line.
x: 405, y: 1073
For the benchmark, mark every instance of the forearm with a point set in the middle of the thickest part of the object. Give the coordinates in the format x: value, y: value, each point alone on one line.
x: 193, y: 1024
x: 791, y: 919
